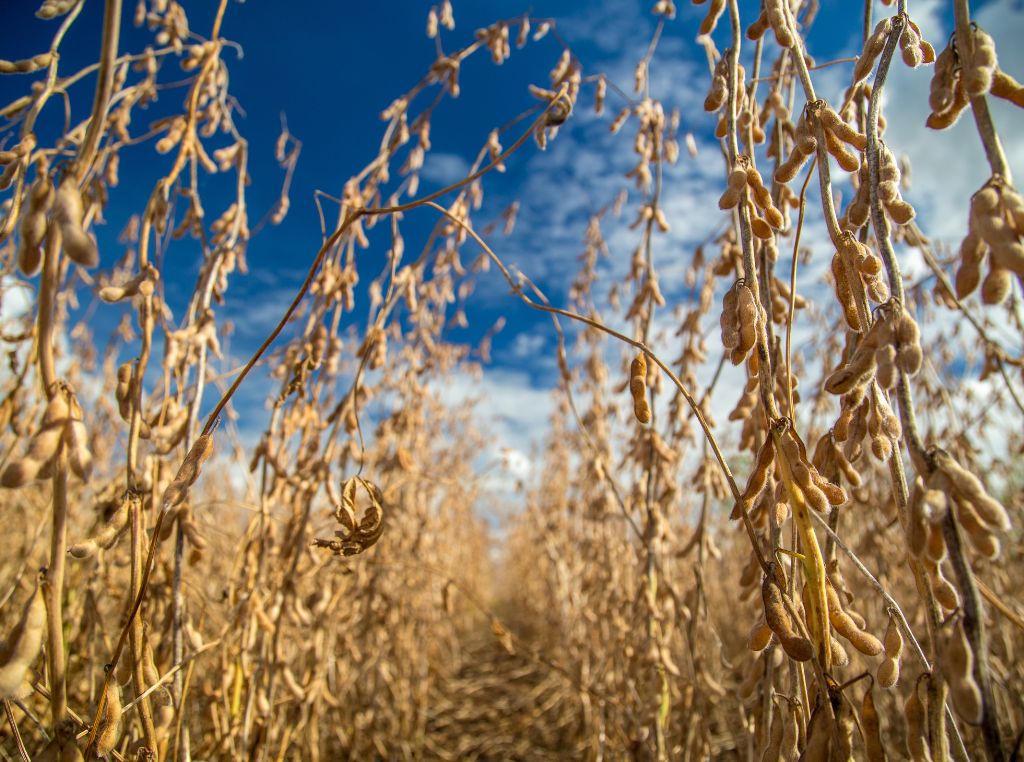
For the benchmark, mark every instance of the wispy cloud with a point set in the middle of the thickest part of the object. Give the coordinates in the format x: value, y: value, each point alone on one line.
x: 442, y: 168
x: 514, y: 413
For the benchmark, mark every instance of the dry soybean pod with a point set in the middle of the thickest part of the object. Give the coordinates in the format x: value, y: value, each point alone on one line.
x: 747, y: 315
x: 1006, y: 87
x: 734, y: 188
x: 775, y: 10
x: 638, y: 388
x: 106, y: 737
x: 33, y: 223
x: 889, y: 670
x: 773, y: 749
x: 819, y: 735
x: 68, y: 213
x: 872, y: 48
x: 990, y: 511
x: 22, y: 645
x: 871, y: 727
x: 760, y: 636
x: 958, y: 670
x: 758, y: 477
x: 914, y: 715
x: 940, y: 120
x: 777, y: 617
x: 979, y: 65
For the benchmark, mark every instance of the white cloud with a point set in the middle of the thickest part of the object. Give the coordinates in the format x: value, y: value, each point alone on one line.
x: 444, y: 168
x: 16, y: 299
x: 513, y: 413
x: 255, y: 317
x: 527, y: 346
x: 16, y: 304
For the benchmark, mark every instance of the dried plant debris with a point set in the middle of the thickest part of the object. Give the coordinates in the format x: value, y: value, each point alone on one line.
x: 357, y: 533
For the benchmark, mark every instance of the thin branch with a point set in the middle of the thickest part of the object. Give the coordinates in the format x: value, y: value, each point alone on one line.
x: 974, y: 629
x: 104, y: 87
x: 979, y: 103
x: 14, y: 731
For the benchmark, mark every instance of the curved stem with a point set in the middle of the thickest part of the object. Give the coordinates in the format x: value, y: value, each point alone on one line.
x: 979, y: 103
x: 792, y: 291
x: 22, y: 752
x: 136, y: 635
x: 55, y: 591
x: 104, y: 87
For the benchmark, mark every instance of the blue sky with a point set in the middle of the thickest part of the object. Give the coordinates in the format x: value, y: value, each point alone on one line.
x: 331, y: 67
